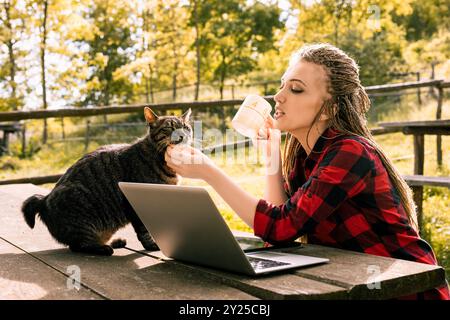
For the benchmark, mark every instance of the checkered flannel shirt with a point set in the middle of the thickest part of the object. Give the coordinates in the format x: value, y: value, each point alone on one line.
x: 343, y: 197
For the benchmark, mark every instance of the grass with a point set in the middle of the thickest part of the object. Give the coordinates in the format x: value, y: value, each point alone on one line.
x: 57, y: 157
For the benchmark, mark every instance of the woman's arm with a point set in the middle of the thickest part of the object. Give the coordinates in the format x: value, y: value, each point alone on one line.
x: 243, y: 203
x: 192, y: 163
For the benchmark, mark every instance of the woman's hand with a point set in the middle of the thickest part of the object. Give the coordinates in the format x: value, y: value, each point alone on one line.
x: 268, y: 140
x: 188, y: 162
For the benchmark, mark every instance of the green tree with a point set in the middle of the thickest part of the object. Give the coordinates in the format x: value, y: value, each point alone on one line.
x: 108, y: 47
x: 364, y: 29
x: 12, y: 30
x: 164, y: 55
x: 426, y: 18
x: 235, y: 35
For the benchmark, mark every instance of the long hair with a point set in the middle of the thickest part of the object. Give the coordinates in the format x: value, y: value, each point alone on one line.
x: 347, y: 110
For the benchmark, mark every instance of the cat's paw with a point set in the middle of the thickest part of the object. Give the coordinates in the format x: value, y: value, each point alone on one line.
x: 150, y: 245
x: 118, y: 243
x: 102, y: 250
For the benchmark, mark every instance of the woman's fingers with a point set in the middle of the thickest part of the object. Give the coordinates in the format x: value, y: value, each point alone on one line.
x: 173, y: 156
x: 262, y: 133
x: 274, y: 134
x: 270, y: 121
x: 179, y: 155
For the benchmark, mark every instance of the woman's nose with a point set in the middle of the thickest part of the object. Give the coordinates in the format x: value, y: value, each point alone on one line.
x: 278, y: 97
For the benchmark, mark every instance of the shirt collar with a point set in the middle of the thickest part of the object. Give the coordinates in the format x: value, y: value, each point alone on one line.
x: 324, y: 140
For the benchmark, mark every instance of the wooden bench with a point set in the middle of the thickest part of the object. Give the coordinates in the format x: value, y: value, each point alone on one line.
x: 418, y: 180
x: 419, y: 129
x: 8, y: 129
x: 34, y: 266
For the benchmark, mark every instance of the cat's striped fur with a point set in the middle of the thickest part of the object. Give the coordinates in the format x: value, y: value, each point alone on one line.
x: 86, y: 207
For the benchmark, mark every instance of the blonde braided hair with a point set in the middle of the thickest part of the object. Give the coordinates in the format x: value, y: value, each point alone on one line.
x: 347, y: 110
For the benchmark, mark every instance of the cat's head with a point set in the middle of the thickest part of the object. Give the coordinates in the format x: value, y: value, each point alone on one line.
x: 167, y: 130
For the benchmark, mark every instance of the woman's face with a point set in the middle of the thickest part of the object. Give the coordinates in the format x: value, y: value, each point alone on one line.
x: 300, y: 97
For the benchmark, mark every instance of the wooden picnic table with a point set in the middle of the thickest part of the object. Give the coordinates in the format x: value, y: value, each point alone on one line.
x: 34, y: 266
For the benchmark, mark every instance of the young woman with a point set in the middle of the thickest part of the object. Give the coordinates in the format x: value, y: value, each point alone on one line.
x: 335, y: 186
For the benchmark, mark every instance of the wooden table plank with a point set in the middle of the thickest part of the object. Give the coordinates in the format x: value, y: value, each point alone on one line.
x: 349, y: 274
x: 132, y: 275
x: 126, y: 275
x: 274, y: 287
x: 358, y: 272
x: 24, y: 277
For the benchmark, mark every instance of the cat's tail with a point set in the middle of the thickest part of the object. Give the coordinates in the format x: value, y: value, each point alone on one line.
x: 30, y: 207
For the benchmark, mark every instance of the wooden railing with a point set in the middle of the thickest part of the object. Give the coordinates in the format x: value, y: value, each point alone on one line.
x: 120, y: 109
x: 209, y: 150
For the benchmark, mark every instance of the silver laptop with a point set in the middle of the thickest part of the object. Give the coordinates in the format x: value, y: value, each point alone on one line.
x: 187, y: 226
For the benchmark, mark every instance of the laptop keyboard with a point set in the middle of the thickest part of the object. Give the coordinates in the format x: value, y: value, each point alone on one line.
x: 259, y: 263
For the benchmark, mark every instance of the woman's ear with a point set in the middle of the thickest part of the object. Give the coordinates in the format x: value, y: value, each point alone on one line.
x: 324, y: 117
x: 325, y: 114
x: 149, y: 115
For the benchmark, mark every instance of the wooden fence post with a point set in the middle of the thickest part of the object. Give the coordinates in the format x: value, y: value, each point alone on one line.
x: 419, y: 149
x: 24, y: 139
x: 86, y: 139
x: 62, y: 129
x: 438, y: 116
x: 419, y: 98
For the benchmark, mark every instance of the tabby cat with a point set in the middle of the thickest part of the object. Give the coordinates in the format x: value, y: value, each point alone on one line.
x: 86, y: 207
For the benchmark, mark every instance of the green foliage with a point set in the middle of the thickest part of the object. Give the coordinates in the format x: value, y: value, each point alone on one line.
x: 235, y: 35
x: 426, y: 19
x: 109, y: 48
x: 437, y: 223
x: 12, y: 29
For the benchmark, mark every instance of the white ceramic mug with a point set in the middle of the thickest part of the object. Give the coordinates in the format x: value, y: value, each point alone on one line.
x: 251, y: 116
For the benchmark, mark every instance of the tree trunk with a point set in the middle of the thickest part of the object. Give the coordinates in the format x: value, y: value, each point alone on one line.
x: 106, y: 96
x: 223, y: 75
x: 174, y: 80
x: 12, y: 72
x: 221, y: 89
x: 147, y: 89
x: 12, y: 58
x: 43, y: 75
x: 197, y: 47
x: 145, y: 45
x: 150, y: 83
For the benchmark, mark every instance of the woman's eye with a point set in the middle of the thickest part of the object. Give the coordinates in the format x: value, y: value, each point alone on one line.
x: 296, y: 90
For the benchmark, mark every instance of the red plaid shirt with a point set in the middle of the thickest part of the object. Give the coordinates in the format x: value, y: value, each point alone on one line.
x: 343, y: 198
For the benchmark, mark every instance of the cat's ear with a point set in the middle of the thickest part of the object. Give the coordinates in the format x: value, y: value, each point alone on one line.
x: 150, y: 116
x: 187, y: 115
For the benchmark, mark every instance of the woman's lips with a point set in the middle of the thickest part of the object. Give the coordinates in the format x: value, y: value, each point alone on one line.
x: 278, y: 114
